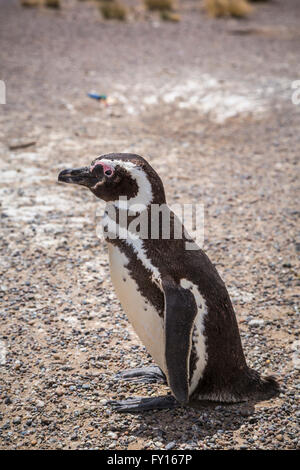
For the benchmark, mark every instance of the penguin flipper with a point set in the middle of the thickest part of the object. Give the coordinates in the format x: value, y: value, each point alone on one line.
x: 180, y: 313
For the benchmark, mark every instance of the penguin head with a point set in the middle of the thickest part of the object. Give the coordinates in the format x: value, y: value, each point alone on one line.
x: 115, y: 176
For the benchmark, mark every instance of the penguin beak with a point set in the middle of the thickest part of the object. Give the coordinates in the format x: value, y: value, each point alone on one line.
x: 80, y: 176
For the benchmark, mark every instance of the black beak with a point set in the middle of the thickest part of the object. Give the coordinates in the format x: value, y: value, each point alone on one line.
x: 80, y: 176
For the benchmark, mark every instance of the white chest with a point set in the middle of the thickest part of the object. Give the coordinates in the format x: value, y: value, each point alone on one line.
x: 142, y: 315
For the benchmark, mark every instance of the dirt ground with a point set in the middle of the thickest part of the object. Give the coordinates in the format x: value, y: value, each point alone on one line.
x: 209, y: 104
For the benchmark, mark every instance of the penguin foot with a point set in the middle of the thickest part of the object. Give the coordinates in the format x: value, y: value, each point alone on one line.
x: 136, y: 404
x: 148, y: 375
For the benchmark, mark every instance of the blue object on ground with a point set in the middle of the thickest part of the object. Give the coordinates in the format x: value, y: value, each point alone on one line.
x: 96, y: 96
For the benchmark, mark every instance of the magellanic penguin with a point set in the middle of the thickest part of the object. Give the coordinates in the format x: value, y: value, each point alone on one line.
x: 174, y: 298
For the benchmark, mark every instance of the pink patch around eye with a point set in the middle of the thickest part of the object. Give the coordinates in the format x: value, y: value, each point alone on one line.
x: 108, y: 170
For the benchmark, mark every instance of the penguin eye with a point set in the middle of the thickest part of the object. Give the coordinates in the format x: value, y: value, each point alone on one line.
x: 108, y: 172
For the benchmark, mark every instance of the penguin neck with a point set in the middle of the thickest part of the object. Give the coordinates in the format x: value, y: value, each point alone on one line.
x: 146, y: 228
x: 133, y: 215
x: 147, y: 195
x: 124, y: 223
x: 126, y: 216
x: 150, y: 191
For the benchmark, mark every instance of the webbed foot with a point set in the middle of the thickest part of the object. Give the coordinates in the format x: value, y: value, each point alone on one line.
x: 148, y: 375
x: 136, y: 404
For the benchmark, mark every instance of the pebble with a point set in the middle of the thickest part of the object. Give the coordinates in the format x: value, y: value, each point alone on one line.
x: 256, y: 322
x: 245, y: 412
x: 170, y: 445
x: 40, y: 403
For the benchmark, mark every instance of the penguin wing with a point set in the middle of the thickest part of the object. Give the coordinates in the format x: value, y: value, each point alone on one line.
x: 180, y: 313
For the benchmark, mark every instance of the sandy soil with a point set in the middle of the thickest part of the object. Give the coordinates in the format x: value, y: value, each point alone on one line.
x: 208, y: 102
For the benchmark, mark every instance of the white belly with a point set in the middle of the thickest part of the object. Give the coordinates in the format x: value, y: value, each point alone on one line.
x: 142, y: 315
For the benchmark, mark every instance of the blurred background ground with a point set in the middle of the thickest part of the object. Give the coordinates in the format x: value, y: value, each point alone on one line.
x: 209, y: 103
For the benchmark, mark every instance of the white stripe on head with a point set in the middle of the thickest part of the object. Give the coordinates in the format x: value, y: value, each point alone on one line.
x: 144, y: 196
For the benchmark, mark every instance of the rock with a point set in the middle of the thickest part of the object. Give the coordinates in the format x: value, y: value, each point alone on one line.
x: 245, y: 412
x: 40, y: 404
x: 170, y: 445
x: 256, y: 322
x: 17, y: 365
x: 60, y: 391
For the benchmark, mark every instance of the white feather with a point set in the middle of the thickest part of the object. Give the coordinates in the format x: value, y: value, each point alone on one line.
x: 198, y: 335
x: 134, y: 241
x: 142, y: 314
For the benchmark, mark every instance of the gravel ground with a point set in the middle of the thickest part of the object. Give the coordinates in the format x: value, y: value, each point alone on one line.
x: 208, y: 102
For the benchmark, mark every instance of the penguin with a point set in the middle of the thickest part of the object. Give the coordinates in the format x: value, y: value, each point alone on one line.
x: 173, y: 296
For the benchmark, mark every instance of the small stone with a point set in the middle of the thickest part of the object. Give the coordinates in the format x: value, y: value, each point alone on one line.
x: 245, y: 412
x: 256, y: 322
x: 17, y: 420
x: 286, y: 265
x: 46, y: 421
x: 40, y: 404
x: 170, y: 445
x: 279, y: 437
